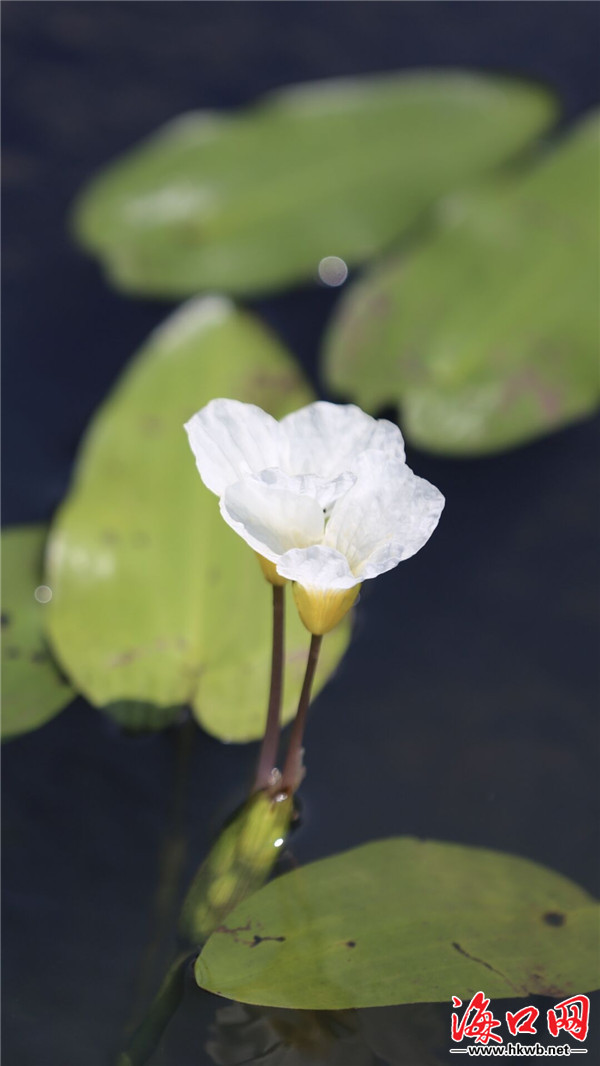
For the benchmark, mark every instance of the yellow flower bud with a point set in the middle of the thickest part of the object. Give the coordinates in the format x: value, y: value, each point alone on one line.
x: 270, y: 571
x: 322, y: 609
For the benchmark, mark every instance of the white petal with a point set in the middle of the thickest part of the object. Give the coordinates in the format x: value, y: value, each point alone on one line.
x: 385, y: 518
x: 327, y: 438
x: 323, y: 491
x: 317, y: 567
x: 231, y: 439
x: 270, y: 518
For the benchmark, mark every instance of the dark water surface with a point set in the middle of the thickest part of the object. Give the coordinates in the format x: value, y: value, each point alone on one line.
x: 466, y: 707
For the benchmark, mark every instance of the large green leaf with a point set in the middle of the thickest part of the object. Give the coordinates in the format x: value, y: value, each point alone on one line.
x: 155, y: 599
x: 33, y: 690
x: 406, y: 921
x: 487, y: 333
x: 255, y: 200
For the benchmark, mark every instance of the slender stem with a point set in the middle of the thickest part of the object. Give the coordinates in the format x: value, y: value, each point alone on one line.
x: 145, y: 1039
x: 170, y: 868
x: 292, y: 771
x: 270, y: 744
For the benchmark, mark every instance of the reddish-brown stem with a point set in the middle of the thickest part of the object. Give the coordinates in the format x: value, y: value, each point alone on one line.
x: 270, y: 743
x: 292, y: 771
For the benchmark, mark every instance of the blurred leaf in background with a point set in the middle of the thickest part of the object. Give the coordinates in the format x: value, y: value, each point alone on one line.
x: 252, y: 201
x: 406, y: 921
x: 487, y: 331
x: 33, y: 690
x: 156, y: 601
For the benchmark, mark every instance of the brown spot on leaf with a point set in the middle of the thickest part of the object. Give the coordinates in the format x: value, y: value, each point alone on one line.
x: 234, y: 932
x: 5, y: 619
x: 123, y: 658
x: 359, y: 321
x: 528, y: 382
x: 256, y: 939
x: 539, y: 985
x: 488, y: 966
x: 263, y: 381
x: 261, y: 939
x: 555, y: 918
x: 351, y: 943
x: 151, y: 425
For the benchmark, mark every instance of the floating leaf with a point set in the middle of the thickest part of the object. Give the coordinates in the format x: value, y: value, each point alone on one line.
x: 155, y: 599
x: 33, y: 691
x: 487, y: 333
x: 253, y: 201
x: 406, y: 921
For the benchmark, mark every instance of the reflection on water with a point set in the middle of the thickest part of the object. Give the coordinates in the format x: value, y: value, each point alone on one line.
x: 241, y: 1035
x: 405, y: 1035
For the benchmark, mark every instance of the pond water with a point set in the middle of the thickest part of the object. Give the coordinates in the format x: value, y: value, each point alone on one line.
x: 465, y: 709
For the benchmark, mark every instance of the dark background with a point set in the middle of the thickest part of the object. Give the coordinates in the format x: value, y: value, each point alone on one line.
x: 466, y: 708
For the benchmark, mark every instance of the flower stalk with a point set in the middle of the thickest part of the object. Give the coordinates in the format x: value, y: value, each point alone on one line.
x: 293, y: 770
x: 326, y: 500
x: 268, y: 751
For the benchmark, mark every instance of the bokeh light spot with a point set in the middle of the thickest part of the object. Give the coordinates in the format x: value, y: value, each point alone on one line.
x: 43, y: 594
x: 333, y: 270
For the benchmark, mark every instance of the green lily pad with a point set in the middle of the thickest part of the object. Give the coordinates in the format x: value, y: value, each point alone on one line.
x: 253, y: 201
x: 406, y: 921
x: 487, y: 332
x: 156, y: 600
x: 33, y: 690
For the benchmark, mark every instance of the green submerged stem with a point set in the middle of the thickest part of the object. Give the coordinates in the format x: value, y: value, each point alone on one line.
x: 171, y: 864
x: 144, y: 1041
x: 268, y: 751
x: 144, y: 1036
x: 292, y: 770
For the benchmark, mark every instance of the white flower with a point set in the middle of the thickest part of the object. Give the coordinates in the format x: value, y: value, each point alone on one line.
x: 324, y: 496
